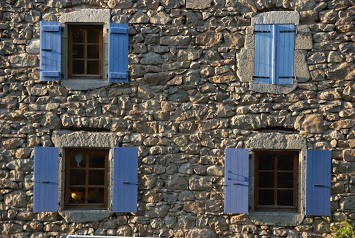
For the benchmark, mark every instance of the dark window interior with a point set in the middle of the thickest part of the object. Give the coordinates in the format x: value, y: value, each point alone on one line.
x: 276, y: 180
x: 85, y: 51
x: 86, y: 178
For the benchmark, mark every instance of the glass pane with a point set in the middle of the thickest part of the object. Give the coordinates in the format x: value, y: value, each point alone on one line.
x: 266, y: 162
x: 78, y: 67
x: 285, y: 180
x: 78, y: 51
x: 93, y: 67
x: 96, y: 195
x: 97, y: 160
x: 77, y: 177
x: 93, y: 52
x: 96, y: 177
x: 266, y: 179
x: 78, y: 35
x: 285, y: 162
x: 77, y: 195
x: 93, y: 36
x: 285, y: 198
x: 77, y: 160
x: 266, y: 197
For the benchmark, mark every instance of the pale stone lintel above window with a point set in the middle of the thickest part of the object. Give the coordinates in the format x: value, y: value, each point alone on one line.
x: 87, y: 17
x: 84, y: 139
x: 303, y: 42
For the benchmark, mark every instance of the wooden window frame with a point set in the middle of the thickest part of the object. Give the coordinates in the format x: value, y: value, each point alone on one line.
x: 85, y: 75
x: 69, y: 153
x: 295, y: 155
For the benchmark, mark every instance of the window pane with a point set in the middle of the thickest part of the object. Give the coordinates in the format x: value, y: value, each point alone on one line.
x: 77, y: 177
x: 266, y: 197
x: 285, y: 162
x: 285, y: 180
x: 285, y: 197
x: 96, y: 177
x: 93, y: 67
x: 77, y: 195
x: 96, y: 195
x: 266, y: 179
x: 78, y: 67
x: 77, y: 160
x: 93, y: 36
x: 97, y: 160
x: 78, y: 51
x: 266, y: 162
x: 78, y: 35
x: 93, y: 52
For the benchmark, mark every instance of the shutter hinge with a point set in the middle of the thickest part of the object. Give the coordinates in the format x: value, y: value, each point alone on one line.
x: 258, y: 31
x: 287, y: 31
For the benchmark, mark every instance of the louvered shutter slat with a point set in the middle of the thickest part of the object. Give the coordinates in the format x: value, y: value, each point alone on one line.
x: 236, y: 179
x: 318, y: 178
x: 118, y: 53
x: 45, y: 191
x: 50, y: 51
x: 125, y: 176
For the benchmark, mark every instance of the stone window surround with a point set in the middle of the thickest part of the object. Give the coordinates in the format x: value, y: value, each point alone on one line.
x: 303, y: 42
x: 82, y: 139
x: 85, y: 16
x: 277, y: 141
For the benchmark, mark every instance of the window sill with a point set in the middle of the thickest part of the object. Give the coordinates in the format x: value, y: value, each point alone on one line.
x: 84, y: 84
x: 276, y: 218
x: 272, y: 88
x: 80, y: 216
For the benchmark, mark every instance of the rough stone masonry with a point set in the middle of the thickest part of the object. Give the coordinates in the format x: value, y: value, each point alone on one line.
x: 184, y: 104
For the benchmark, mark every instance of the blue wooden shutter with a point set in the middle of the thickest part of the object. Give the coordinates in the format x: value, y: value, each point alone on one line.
x: 318, y: 173
x: 50, y: 51
x: 125, y: 177
x: 236, y: 176
x: 118, y: 53
x: 45, y: 189
x: 263, y: 63
x: 285, y: 45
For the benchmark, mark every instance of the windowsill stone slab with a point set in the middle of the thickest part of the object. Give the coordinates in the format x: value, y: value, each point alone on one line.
x: 276, y: 218
x: 81, y: 216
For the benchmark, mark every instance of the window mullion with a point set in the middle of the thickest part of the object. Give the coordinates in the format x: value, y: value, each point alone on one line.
x: 275, y: 181
x: 85, y: 49
x: 87, y: 178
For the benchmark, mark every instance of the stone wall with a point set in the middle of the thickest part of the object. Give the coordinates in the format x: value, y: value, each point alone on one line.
x: 183, y: 106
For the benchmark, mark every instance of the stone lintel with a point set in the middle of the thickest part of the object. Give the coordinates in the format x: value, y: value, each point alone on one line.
x: 85, y: 139
x: 276, y: 141
x: 276, y: 17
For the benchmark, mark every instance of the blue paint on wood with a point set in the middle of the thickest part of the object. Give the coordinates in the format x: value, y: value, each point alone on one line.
x: 125, y: 175
x: 263, y: 63
x: 118, y: 53
x: 285, y: 54
x: 236, y: 176
x: 318, y: 179
x: 45, y: 189
x: 274, y: 54
x: 50, y: 51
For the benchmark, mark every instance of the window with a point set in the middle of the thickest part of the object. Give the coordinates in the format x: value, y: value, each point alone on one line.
x: 277, y: 186
x: 91, y: 178
x: 276, y: 180
x: 85, y: 51
x: 274, y: 54
x: 86, y: 178
x: 265, y: 62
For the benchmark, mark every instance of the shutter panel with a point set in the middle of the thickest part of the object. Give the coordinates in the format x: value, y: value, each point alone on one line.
x: 50, y: 51
x: 236, y: 179
x: 125, y: 177
x: 263, y: 62
x: 285, y: 42
x: 118, y: 53
x: 45, y: 189
x: 318, y: 172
